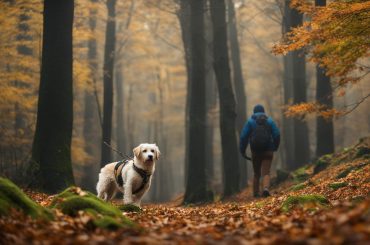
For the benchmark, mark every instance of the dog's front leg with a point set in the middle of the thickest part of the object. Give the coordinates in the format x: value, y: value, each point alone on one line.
x: 127, y: 196
x: 136, y: 200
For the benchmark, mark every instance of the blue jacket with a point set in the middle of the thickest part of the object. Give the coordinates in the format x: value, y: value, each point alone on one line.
x: 250, y: 125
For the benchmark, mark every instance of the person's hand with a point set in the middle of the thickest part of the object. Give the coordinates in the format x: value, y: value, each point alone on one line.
x: 246, y: 157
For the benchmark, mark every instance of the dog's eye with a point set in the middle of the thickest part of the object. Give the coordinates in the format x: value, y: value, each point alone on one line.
x: 144, y: 151
x: 152, y: 151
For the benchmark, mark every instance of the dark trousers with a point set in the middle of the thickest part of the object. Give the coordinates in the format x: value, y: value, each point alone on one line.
x: 261, y: 167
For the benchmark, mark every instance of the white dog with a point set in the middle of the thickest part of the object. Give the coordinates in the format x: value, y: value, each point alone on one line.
x: 131, y: 177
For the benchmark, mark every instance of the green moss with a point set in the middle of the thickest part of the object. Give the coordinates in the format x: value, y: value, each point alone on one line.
x: 303, y: 201
x: 260, y: 204
x: 298, y: 187
x: 71, y: 192
x: 322, y: 163
x: 337, y: 185
x: 344, y: 173
x: 348, y: 170
x: 300, y: 175
x: 13, y: 197
x: 110, y: 223
x: 362, y: 151
x: 129, y: 208
x: 72, y: 205
x: 104, y: 215
x: 357, y: 199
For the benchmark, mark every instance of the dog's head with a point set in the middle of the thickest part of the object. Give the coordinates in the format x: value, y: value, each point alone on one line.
x: 147, y: 153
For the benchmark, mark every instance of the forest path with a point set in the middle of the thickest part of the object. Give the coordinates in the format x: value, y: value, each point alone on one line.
x: 330, y: 206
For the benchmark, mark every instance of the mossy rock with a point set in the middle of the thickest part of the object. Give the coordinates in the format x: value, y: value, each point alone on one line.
x: 13, y: 197
x: 107, y: 222
x: 322, y: 163
x: 304, y: 201
x: 72, y: 205
x: 72, y: 192
x: 129, y: 208
x: 298, y: 187
x: 336, y: 185
x: 104, y: 215
x: 73, y: 199
x: 300, y: 175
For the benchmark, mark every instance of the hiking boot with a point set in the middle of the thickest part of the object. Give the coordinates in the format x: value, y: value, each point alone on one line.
x: 266, y: 193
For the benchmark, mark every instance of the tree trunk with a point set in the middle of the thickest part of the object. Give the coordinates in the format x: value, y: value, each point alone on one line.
x: 52, y: 142
x: 211, y: 101
x: 238, y: 82
x: 296, y: 138
x: 196, y: 186
x: 183, y: 16
x: 301, y: 136
x: 288, y: 131
x: 324, y: 95
x: 227, y: 100
x: 91, y: 124
x: 119, y: 110
x: 91, y: 113
x: 110, y: 40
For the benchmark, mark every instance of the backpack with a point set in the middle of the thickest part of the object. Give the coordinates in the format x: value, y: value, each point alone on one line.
x: 261, y: 135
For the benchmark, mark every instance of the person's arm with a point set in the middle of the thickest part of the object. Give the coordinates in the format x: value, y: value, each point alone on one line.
x: 275, y: 134
x: 244, y: 138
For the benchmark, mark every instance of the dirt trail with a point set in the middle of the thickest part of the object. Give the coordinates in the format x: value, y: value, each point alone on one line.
x: 330, y: 206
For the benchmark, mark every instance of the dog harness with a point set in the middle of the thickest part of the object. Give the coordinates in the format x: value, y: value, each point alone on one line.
x: 118, y: 174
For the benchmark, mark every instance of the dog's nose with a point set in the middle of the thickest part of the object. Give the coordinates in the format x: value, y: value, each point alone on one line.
x: 150, y: 157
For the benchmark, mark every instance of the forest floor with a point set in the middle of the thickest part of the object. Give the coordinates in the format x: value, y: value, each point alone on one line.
x: 326, y: 202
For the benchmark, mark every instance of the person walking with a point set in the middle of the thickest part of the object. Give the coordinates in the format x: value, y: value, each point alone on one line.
x: 261, y: 132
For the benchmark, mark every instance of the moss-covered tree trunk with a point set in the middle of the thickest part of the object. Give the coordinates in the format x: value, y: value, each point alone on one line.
x: 51, y: 153
x: 227, y: 101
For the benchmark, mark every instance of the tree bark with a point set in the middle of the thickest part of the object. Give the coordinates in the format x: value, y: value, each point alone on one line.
x: 183, y: 16
x: 119, y: 110
x: 324, y: 95
x: 90, y: 112
x: 211, y: 101
x: 238, y: 82
x: 301, y: 136
x: 110, y: 40
x: 227, y: 100
x: 296, y: 138
x: 51, y: 151
x: 91, y: 124
x: 196, y: 186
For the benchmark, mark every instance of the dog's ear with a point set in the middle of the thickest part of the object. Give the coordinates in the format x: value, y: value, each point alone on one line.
x: 157, y: 153
x: 137, y: 151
